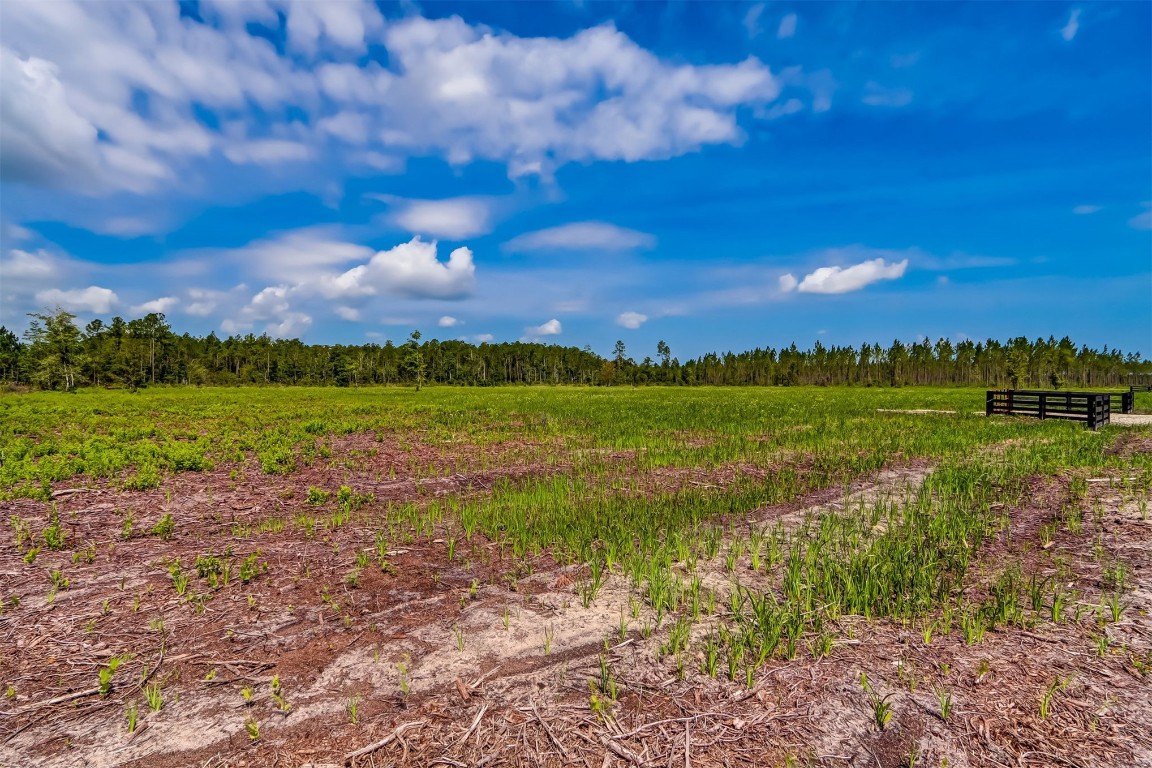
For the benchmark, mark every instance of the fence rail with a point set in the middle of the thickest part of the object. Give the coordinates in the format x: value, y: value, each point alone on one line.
x: 1092, y: 408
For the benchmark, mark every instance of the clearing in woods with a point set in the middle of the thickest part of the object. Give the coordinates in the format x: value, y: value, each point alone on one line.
x: 556, y: 577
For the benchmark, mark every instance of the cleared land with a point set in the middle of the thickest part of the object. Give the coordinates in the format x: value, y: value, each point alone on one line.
x: 570, y: 577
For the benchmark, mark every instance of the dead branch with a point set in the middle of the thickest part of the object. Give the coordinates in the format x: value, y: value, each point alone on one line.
x: 396, y: 734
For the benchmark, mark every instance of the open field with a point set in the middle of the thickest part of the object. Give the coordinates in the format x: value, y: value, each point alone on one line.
x: 555, y: 577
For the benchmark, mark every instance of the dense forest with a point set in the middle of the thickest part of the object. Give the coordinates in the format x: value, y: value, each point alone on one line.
x: 56, y: 354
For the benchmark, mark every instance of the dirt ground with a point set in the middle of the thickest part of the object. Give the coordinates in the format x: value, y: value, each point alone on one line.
x: 483, y: 659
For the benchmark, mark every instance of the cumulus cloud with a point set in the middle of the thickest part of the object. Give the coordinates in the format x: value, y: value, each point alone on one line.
x: 632, y: 320
x: 536, y: 103
x: 549, y: 328
x: 162, y: 304
x: 1084, y: 210
x: 787, y: 282
x: 1072, y: 27
x: 272, y: 309
x: 203, y: 302
x: 348, y: 313
x: 454, y: 219
x: 412, y: 269
x: 91, y: 299
x: 834, y: 279
x: 343, y: 24
x: 106, y: 97
x: 581, y: 236
x: 484, y: 338
x: 787, y: 27
x: 447, y: 321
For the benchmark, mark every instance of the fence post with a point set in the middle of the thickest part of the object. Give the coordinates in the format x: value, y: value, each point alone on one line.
x: 989, y: 403
x: 1127, y: 401
x: 1043, y: 406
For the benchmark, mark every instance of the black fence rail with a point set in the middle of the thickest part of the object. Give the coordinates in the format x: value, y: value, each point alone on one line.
x: 1140, y: 388
x: 1092, y: 408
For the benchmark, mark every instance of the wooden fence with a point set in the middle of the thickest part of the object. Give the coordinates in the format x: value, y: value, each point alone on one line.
x: 1093, y: 408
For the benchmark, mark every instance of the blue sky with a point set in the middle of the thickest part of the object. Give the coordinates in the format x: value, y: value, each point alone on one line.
x: 720, y: 175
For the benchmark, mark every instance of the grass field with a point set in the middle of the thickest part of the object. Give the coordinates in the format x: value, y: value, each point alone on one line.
x: 537, y: 576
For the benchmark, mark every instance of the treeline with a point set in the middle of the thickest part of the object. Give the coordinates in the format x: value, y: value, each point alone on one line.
x: 56, y: 354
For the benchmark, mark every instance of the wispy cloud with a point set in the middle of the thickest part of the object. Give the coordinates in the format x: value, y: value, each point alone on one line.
x: 876, y: 95
x: 1084, y: 210
x: 452, y: 219
x: 1142, y: 220
x: 751, y: 20
x: 787, y: 27
x: 1068, y: 32
x: 581, y: 236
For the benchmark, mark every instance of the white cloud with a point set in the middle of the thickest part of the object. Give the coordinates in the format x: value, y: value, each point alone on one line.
x: 447, y: 322
x: 847, y: 279
x: 203, y: 302
x: 751, y: 20
x: 45, y: 140
x: 1084, y: 210
x: 271, y: 308
x: 344, y: 24
x: 107, y: 97
x: 291, y: 326
x: 18, y: 233
x: 632, y: 320
x: 301, y: 255
x: 484, y: 338
x: 787, y: 27
x: 91, y: 299
x: 788, y: 282
x: 1072, y: 27
x: 581, y: 236
x: 348, y: 313
x: 1142, y: 220
x: 412, y: 269
x: 454, y: 219
x: 22, y: 265
x: 267, y: 152
x: 536, y: 103
x: 160, y: 305
x: 550, y: 328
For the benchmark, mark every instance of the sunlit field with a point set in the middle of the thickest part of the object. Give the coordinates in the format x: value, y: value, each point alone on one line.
x: 567, y: 576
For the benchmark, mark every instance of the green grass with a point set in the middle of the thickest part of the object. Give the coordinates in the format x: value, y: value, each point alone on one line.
x: 604, y: 491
